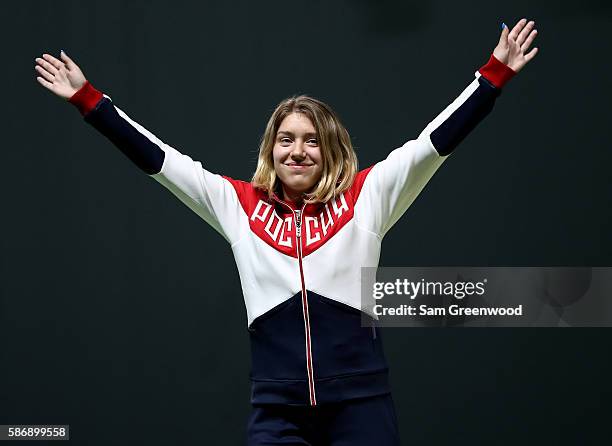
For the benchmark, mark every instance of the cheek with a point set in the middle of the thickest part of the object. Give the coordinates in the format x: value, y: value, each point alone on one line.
x: 316, y: 156
x: 277, y: 159
x: 276, y: 154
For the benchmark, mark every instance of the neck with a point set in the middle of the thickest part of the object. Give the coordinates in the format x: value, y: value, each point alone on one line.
x: 295, y: 197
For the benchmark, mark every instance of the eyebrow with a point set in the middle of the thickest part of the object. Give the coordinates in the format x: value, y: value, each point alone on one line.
x: 286, y: 132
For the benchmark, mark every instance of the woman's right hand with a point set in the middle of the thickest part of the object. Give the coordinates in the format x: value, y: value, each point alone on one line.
x: 62, y: 77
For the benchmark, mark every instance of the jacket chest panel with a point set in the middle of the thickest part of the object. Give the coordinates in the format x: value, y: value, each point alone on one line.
x: 319, y: 224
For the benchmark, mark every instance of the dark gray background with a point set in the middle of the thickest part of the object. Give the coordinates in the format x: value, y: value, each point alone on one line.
x: 121, y: 311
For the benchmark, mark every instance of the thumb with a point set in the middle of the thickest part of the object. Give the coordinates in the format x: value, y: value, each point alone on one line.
x: 67, y: 60
x: 503, y: 38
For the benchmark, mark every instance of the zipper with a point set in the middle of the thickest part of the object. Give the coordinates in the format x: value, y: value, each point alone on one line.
x: 309, y: 363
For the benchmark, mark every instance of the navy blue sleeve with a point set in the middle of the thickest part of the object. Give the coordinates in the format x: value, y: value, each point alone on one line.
x: 143, y: 152
x: 464, y: 119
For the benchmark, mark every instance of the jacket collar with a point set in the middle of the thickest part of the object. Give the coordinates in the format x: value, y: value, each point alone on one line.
x: 288, y: 206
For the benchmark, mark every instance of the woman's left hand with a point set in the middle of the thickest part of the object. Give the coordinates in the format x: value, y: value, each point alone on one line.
x: 513, y: 45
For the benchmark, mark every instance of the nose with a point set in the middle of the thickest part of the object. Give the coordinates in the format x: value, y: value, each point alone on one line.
x: 298, y: 150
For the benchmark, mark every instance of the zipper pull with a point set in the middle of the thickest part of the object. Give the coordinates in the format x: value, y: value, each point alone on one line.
x: 298, y: 222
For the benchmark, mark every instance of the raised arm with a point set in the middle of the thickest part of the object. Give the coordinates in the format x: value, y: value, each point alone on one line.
x: 390, y: 186
x: 209, y: 195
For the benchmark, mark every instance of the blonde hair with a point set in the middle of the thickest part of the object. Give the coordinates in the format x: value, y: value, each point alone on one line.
x: 339, y: 158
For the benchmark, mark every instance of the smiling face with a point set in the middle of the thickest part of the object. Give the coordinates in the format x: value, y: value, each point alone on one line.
x: 297, y: 156
x: 296, y: 165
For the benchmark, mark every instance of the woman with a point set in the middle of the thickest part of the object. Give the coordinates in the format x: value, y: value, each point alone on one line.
x: 300, y: 231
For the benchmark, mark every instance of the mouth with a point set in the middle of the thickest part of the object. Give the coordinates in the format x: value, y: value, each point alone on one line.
x: 298, y: 166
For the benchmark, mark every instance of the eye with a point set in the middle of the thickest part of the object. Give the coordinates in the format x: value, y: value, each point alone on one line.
x: 285, y: 141
x: 312, y: 141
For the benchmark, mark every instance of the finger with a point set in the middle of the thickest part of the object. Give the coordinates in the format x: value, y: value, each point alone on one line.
x: 44, y: 83
x: 67, y: 60
x: 531, y: 54
x: 525, y: 33
x: 47, y: 66
x: 503, y: 37
x: 517, y: 29
x: 525, y: 46
x: 44, y: 73
x: 58, y: 64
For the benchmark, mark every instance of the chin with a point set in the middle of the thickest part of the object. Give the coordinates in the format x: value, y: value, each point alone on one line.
x: 299, y: 188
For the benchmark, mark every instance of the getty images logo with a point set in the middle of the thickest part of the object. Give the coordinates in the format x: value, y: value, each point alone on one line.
x: 412, y: 289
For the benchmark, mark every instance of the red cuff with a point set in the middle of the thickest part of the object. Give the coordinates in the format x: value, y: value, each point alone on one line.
x: 498, y: 73
x: 86, y: 98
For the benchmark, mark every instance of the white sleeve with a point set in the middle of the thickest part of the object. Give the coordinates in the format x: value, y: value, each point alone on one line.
x: 209, y: 195
x: 393, y: 184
